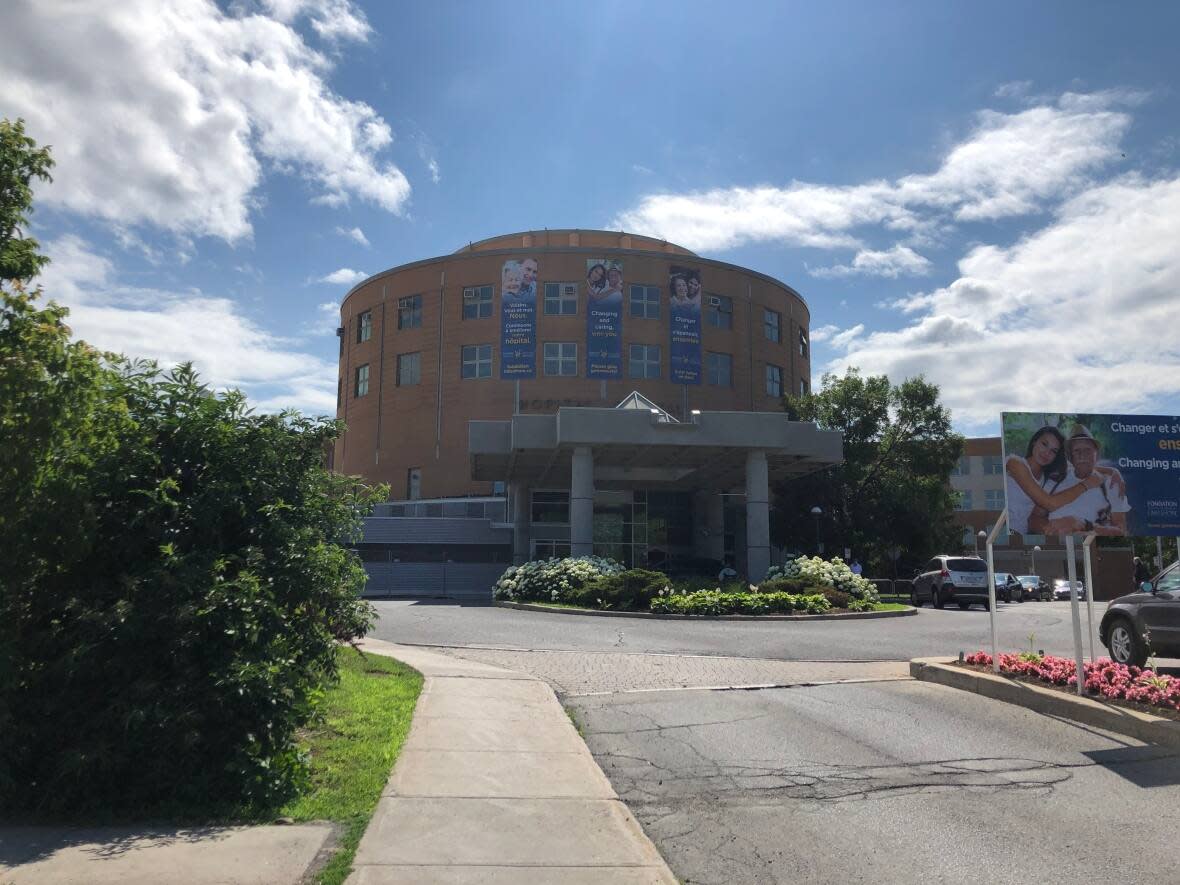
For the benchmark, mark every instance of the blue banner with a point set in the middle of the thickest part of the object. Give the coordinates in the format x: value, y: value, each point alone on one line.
x: 518, y: 319
x: 604, y: 318
x: 1086, y: 473
x: 684, y: 311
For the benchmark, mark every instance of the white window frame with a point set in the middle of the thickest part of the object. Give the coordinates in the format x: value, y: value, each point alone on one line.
x: 561, y: 355
x: 772, y: 325
x: 409, y: 312
x: 644, y: 363
x: 364, y: 326
x: 713, y: 362
x: 649, y: 301
x: 404, y: 378
x: 478, y: 302
x: 475, y: 361
x: 717, y: 308
x: 774, y: 380
x: 360, y: 385
x: 562, y: 296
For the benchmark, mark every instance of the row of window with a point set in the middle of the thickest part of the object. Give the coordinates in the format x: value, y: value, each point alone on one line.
x: 561, y: 299
x: 993, y: 465
x: 993, y: 499
x: 560, y: 359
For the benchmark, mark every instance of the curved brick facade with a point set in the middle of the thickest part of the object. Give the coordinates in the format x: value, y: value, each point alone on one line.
x: 421, y: 423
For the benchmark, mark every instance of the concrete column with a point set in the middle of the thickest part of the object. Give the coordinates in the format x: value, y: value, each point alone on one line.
x: 582, y: 502
x: 757, y: 517
x: 521, y: 523
x: 714, y: 546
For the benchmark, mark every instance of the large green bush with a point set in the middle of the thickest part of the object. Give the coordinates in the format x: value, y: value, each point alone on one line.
x: 630, y: 590
x: 174, y: 586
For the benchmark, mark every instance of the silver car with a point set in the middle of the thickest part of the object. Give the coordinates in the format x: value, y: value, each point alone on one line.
x: 958, y: 579
x: 1061, y: 589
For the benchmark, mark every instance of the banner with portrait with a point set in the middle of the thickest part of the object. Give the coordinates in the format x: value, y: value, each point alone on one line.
x: 1086, y: 473
x: 518, y: 318
x: 684, y: 315
x: 604, y: 318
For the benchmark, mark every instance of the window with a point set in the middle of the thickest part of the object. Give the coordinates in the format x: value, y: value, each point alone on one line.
x: 477, y: 302
x: 719, y: 369
x: 413, y: 483
x: 644, y: 361
x: 1169, y: 582
x: 993, y: 499
x: 774, y: 380
x: 551, y: 549
x: 561, y: 358
x: 802, y: 387
x: 962, y: 468
x: 771, y: 325
x: 551, y: 507
x: 963, y: 501
x: 362, y: 380
x: 993, y: 465
x: 802, y: 343
x: 477, y: 361
x: 409, y: 369
x: 409, y: 312
x: 364, y: 327
x: 561, y: 299
x: 645, y: 302
x: 719, y: 311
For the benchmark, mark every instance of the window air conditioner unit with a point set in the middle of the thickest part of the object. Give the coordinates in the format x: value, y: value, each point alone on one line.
x: 714, y: 301
x: 469, y: 293
x: 569, y: 290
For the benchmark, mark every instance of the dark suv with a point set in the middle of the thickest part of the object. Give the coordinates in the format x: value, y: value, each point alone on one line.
x: 1145, y: 623
x: 958, y: 579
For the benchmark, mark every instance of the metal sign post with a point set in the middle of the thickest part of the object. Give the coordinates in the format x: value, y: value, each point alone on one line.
x: 991, y: 586
x: 1072, y: 574
x: 1086, y: 545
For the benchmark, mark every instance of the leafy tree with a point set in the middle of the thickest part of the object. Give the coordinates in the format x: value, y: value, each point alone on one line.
x: 20, y: 162
x: 891, y: 491
x: 174, y: 585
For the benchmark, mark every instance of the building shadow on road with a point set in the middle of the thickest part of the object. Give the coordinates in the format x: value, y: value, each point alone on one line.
x: 1143, y: 766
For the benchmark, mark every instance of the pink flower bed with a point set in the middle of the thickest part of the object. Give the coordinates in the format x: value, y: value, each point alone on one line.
x: 1116, y: 682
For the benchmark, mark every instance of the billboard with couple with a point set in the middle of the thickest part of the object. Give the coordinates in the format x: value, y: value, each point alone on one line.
x: 1091, y: 474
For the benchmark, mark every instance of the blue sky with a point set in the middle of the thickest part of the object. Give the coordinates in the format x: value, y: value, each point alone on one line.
x: 985, y: 194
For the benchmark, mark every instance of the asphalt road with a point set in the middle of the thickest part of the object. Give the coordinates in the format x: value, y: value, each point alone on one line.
x: 892, y: 781
x: 930, y: 632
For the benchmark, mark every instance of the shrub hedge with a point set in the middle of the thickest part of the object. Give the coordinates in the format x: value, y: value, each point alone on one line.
x: 712, y: 602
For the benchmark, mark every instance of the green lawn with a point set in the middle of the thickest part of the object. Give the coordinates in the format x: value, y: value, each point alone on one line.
x: 367, y: 718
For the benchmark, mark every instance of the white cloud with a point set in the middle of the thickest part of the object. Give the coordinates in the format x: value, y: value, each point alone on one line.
x: 823, y: 333
x: 1013, y: 89
x: 435, y: 174
x: 169, y: 113
x: 227, y: 348
x: 354, y: 233
x: 891, y: 263
x: 1010, y: 164
x: 346, y: 276
x: 334, y: 20
x: 1076, y: 317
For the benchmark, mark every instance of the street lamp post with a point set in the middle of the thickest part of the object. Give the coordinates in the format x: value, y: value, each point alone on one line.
x: 1036, y: 549
x: 980, y: 538
x: 819, y: 547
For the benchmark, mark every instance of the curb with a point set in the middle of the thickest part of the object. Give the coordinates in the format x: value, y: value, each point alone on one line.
x: 848, y: 616
x: 1132, y: 723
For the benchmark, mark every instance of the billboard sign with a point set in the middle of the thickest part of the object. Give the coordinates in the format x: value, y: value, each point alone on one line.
x: 604, y: 318
x: 684, y: 311
x: 1085, y: 473
x: 518, y: 318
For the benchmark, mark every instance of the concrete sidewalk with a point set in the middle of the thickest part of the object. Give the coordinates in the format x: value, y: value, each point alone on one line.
x: 495, y: 785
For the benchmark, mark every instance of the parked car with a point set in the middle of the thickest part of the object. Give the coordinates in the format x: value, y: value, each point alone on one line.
x: 1008, y: 589
x: 1061, y: 589
x: 1146, y: 622
x: 1034, y: 587
x: 958, y: 579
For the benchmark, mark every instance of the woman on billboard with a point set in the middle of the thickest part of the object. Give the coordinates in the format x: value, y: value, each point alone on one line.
x: 1043, y: 461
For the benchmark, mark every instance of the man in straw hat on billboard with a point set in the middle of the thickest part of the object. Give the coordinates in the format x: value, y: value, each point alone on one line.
x: 1102, y: 510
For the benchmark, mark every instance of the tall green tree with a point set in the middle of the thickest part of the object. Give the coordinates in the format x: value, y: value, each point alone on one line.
x: 20, y: 162
x: 891, y: 493
x: 174, y: 580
